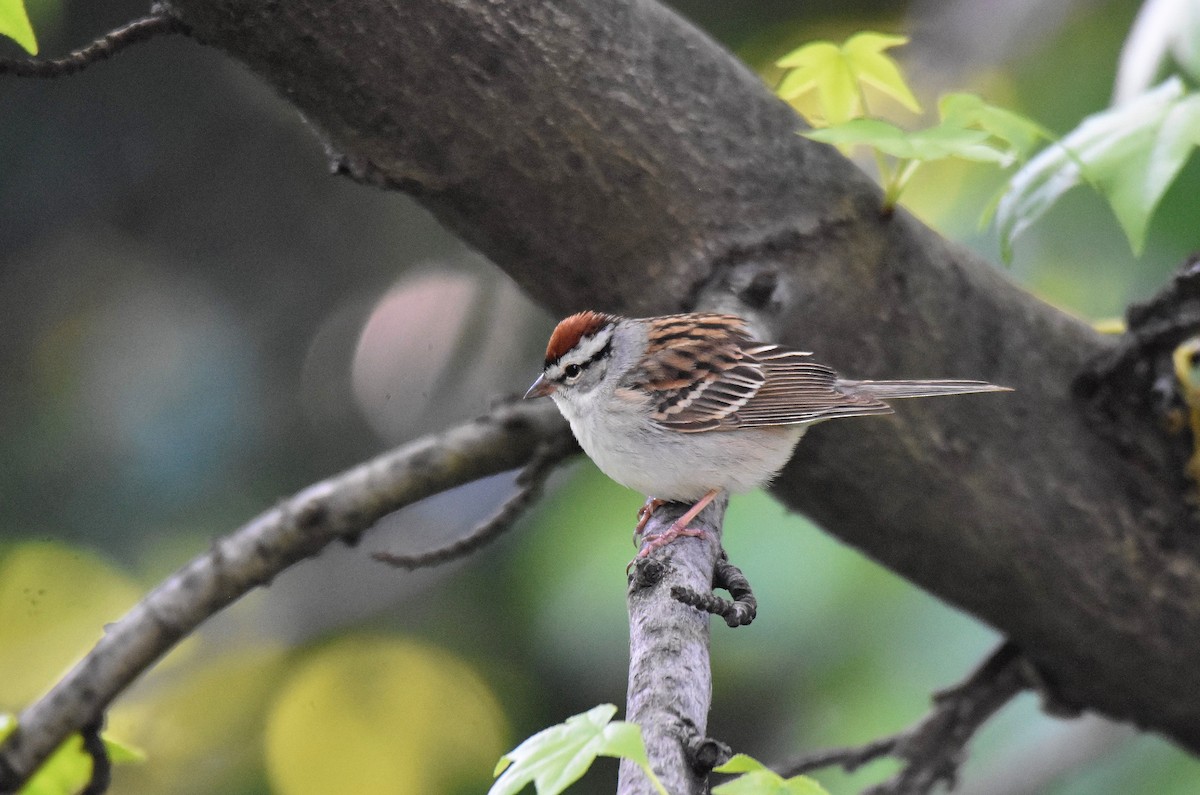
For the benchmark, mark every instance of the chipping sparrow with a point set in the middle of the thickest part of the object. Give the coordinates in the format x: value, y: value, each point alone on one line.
x: 683, y: 407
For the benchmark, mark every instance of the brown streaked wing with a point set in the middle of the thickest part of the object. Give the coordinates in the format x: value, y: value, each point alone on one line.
x: 701, y: 370
x: 798, y: 390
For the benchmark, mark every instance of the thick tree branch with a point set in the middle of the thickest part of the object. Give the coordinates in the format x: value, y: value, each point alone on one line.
x: 670, y: 678
x: 607, y: 154
x: 342, y: 507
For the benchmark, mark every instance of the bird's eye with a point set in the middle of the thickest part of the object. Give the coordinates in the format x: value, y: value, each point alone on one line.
x: 572, y: 371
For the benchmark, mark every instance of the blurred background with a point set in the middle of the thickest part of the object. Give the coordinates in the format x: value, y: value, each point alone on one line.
x: 198, y: 320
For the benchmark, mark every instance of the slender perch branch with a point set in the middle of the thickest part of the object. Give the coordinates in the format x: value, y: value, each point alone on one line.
x: 530, y: 484
x: 341, y: 507
x: 103, y: 48
x: 670, y: 678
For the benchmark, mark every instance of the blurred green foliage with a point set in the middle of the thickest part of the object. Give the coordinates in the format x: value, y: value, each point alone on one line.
x: 183, y: 292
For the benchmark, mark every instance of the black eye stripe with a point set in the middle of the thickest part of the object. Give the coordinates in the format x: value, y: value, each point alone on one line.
x: 603, y: 353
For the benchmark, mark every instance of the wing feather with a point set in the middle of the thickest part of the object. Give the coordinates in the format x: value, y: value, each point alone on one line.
x: 715, y: 377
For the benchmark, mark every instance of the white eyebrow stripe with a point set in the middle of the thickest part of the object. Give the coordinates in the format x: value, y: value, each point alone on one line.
x: 590, y: 347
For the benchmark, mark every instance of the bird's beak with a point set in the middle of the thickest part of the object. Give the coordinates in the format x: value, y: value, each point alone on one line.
x: 541, y: 387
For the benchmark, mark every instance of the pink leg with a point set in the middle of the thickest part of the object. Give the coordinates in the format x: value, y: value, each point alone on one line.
x: 680, y: 528
x: 647, y: 510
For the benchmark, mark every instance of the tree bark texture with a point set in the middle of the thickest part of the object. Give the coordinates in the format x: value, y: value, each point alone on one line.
x: 606, y: 154
x: 670, y: 678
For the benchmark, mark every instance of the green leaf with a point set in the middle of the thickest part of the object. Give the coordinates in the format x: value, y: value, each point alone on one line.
x: 557, y: 757
x: 836, y: 73
x: 864, y: 52
x: 14, y: 23
x: 758, y: 780
x: 740, y: 763
x: 933, y: 143
x: 970, y: 111
x: 1131, y: 154
x: 119, y: 752
x: 820, y: 66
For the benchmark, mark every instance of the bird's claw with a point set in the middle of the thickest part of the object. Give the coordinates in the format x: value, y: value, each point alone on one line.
x: 647, y: 510
x: 662, y: 539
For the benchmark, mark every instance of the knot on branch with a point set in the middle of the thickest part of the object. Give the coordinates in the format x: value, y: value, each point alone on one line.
x: 705, y: 753
x: 646, y: 573
x: 1151, y: 378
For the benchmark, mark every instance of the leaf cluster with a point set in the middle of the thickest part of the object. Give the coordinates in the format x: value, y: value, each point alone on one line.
x: 1130, y: 153
x: 557, y: 757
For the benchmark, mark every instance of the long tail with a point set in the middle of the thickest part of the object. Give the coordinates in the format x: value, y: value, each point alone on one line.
x: 890, y: 390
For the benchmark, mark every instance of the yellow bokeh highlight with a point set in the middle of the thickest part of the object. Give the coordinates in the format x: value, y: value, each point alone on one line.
x: 54, y: 603
x: 382, y: 715
x: 200, y: 725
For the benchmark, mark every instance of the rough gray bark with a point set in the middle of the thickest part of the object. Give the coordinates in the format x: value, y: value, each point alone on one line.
x: 606, y: 154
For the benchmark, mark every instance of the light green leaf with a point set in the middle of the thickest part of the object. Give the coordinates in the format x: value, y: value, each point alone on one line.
x: 758, y: 780
x: 864, y: 53
x: 1130, y: 153
x: 14, y: 23
x: 835, y: 73
x: 970, y: 111
x: 740, y: 763
x: 933, y: 143
x: 119, y: 752
x: 820, y: 66
x: 557, y: 757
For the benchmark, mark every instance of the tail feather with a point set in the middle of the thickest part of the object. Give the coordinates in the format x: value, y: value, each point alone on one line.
x: 891, y: 390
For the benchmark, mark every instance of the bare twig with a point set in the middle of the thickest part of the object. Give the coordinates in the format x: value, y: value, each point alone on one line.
x: 936, y: 747
x: 530, y: 482
x: 158, y: 23
x: 737, y: 613
x: 93, y: 744
x: 299, y: 527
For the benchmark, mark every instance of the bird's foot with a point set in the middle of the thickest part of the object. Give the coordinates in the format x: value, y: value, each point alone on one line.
x: 678, y: 530
x: 667, y: 536
x: 647, y: 510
